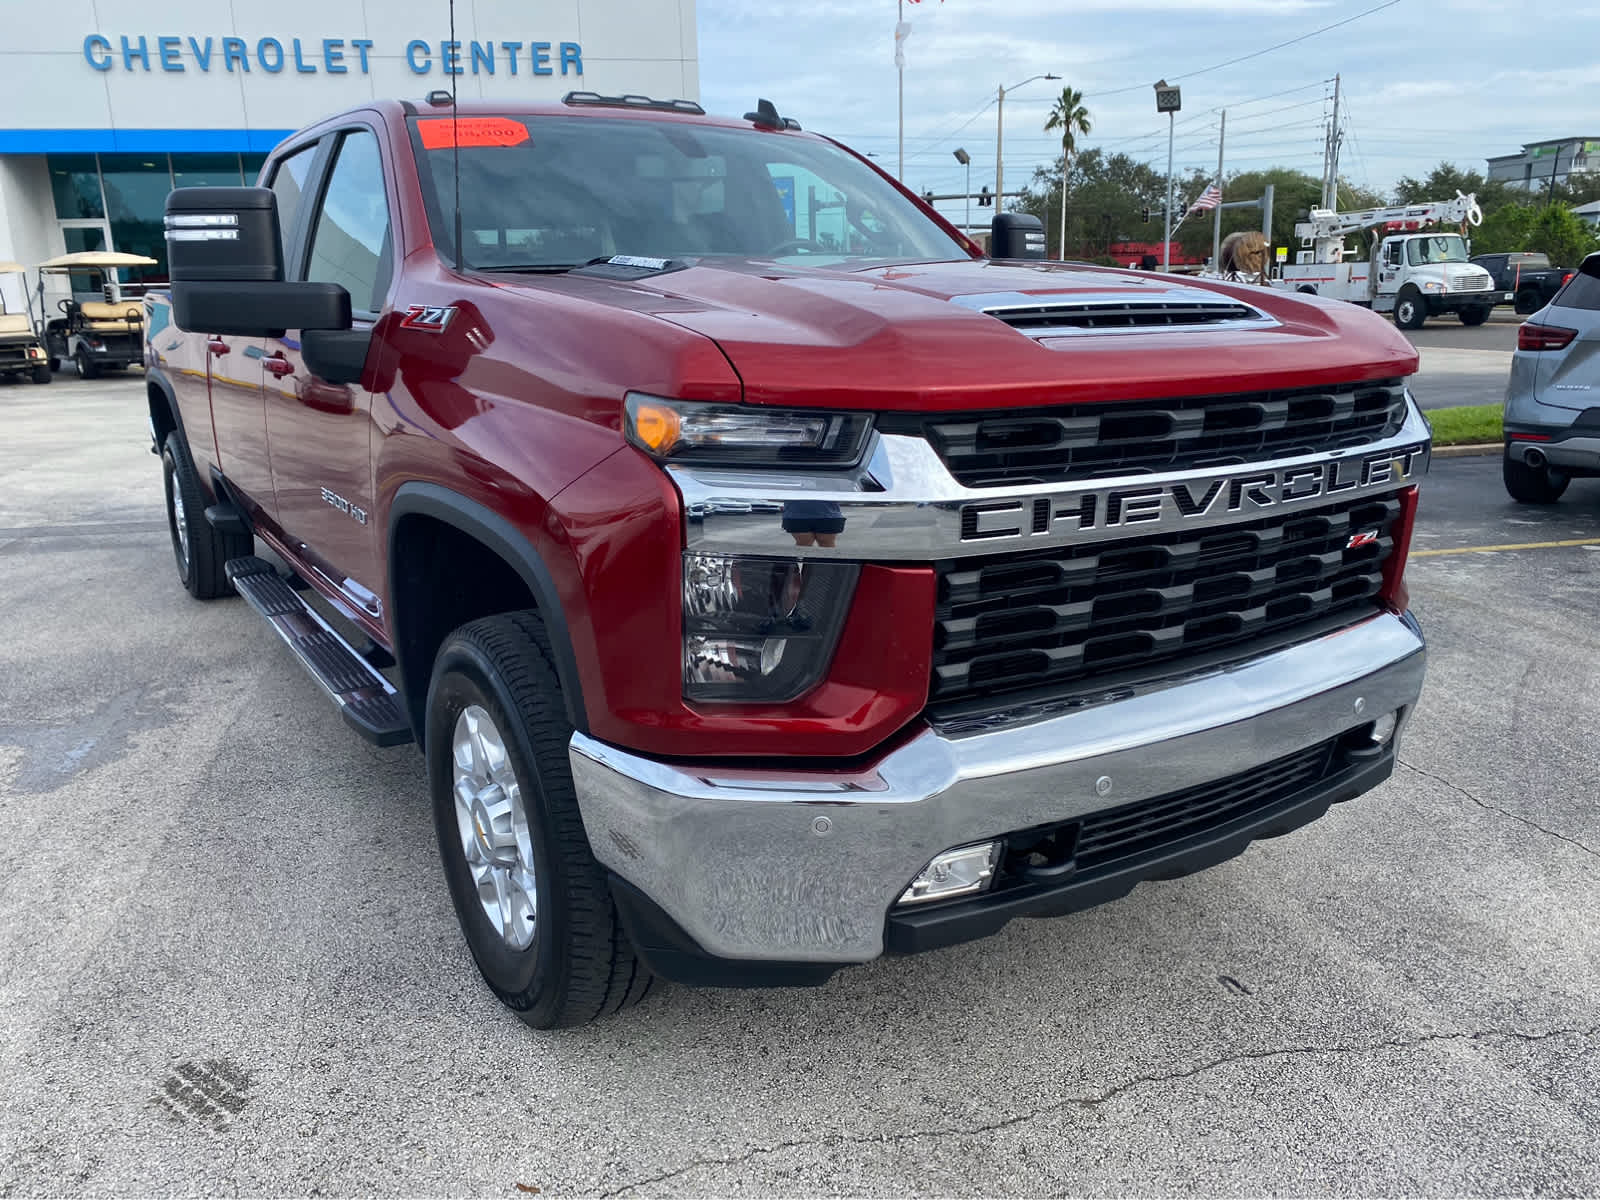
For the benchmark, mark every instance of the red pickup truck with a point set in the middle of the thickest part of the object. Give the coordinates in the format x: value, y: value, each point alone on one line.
x: 770, y: 579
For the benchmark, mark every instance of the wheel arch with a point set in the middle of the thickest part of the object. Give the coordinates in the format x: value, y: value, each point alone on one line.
x: 416, y: 640
x: 165, y: 416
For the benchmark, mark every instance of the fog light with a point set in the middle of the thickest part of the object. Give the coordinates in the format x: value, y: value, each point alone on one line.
x: 955, y: 873
x: 1383, y: 728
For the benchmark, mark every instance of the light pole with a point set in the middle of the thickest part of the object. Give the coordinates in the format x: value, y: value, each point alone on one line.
x: 999, y: 143
x: 965, y: 160
x: 1169, y: 100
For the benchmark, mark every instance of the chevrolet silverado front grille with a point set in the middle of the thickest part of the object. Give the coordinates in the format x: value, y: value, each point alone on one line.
x: 1052, y: 445
x: 1053, y: 619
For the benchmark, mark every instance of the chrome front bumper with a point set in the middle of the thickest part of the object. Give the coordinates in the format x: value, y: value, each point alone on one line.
x: 803, y: 866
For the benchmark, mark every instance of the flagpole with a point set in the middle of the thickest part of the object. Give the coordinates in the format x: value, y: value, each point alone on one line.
x: 900, y: 69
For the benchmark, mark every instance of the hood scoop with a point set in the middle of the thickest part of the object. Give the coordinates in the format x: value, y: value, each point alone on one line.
x: 1177, y: 308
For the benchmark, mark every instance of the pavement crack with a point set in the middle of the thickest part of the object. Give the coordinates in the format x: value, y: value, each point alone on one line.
x: 1494, y: 808
x: 1096, y: 1100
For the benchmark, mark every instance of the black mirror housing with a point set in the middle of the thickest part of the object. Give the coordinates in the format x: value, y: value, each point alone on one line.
x: 1015, y: 235
x: 225, y: 260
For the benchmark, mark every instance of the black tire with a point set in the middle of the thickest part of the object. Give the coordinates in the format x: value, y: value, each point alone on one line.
x: 41, y: 373
x: 55, y: 364
x: 1476, y: 315
x: 201, y: 552
x: 579, y: 965
x: 1306, y: 289
x: 87, y: 369
x: 1533, y: 485
x: 1410, y: 309
x: 1528, y: 301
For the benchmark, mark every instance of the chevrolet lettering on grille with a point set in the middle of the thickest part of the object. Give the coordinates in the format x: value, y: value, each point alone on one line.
x: 1238, y: 493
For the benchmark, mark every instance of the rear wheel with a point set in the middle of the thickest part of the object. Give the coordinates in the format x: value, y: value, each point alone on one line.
x: 200, y: 551
x: 1533, y: 485
x: 533, y: 903
x: 85, y: 365
x: 1410, y: 311
x: 1528, y: 301
x: 1475, y: 316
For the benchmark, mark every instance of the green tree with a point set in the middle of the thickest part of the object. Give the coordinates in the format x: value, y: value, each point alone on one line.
x: 1108, y: 193
x: 1446, y: 179
x: 1562, y: 236
x: 1070, y: 118
x: 1509, y: 228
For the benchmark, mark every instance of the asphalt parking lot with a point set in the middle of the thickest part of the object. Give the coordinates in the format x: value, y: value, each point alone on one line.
x: 228, y: 962
x: 1462, y: 365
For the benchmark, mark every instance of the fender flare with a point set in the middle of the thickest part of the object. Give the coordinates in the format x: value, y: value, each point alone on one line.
x: 500, y: 536
x: 156, y: 378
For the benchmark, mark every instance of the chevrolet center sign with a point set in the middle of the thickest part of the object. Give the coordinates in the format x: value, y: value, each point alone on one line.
x: 332, y: 56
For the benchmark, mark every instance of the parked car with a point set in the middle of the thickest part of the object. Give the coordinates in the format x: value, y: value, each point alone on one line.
x: 1552, y: 420
x: 1525, y: 279
x: 772, y: 581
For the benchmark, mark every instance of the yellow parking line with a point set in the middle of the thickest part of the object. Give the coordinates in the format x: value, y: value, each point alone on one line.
x: 1588, y: 541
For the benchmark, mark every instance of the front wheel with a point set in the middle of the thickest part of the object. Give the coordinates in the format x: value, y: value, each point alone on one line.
x: 1475, y: 316
x: 1533, y: 485
x: 533, y: 903
x: 1409, y: 309
x: 41, y: 373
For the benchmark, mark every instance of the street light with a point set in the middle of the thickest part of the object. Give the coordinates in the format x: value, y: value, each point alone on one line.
x: 999, y: 142
x: 1169, y: 100
x: 965, y: 160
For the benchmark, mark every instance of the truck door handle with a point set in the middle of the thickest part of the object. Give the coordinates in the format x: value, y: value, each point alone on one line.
x: 278, y: 365
x: 217, y: 346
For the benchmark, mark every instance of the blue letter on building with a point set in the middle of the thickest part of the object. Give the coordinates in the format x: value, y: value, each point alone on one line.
x: 411, y: 57
x: 233, y: 51
x: 362, y: 45
x: 129, y: 54
x: 450, y: 58
x: 276, y: 64
x: 572, y: 53
x: 541, y: 58
x: 511, y: 49
x: 333, y: 56
x: 95, y: 44
x: 168, y: 48
x: 202, y: 60
x: 300, y: 63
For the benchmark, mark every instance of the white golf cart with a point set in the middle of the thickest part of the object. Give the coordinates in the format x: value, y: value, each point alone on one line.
x: 98, y: 330
x: 21, y: 352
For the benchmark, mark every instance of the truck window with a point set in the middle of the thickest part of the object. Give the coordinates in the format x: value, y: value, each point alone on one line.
x: 289, y: 184
x: 1441, y: 248
x: 350, y: 238
x: 553, y: 192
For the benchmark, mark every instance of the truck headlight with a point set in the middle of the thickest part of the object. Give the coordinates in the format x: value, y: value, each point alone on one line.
x: 692, y: 431
x: 1433, y: 287
x: 760, y: 630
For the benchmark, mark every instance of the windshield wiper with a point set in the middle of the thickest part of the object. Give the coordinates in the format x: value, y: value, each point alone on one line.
x: 527, y: 268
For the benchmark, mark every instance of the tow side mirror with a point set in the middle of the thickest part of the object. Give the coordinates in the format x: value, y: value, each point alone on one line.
x: 1016, y: 235
x: 225, y: 261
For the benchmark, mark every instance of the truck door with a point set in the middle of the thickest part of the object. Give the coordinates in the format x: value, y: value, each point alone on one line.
x: 320, y: 432
x: 233, y: 367
x: 1390, y: 266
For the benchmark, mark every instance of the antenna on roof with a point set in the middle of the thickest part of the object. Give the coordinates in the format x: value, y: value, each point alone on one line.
x: 455, y: 140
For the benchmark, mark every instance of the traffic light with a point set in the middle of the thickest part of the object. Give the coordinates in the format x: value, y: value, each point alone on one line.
x: 984, y: 198
x: 1145, y: 215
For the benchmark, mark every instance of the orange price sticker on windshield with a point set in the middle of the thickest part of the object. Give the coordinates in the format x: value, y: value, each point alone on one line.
x: 442, y: 133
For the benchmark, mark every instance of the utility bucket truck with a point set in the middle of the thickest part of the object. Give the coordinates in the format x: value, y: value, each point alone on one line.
x: 1414, y: 275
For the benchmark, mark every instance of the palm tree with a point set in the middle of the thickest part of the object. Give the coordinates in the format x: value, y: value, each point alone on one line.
x: 1071, y: 118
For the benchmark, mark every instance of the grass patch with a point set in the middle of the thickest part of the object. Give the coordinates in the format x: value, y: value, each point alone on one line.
x: 1467, y: 425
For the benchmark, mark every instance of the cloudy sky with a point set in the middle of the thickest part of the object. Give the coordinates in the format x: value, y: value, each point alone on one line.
x: 1422, y: 79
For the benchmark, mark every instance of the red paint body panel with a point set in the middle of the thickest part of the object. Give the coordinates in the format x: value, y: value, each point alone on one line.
x: 515, y: 403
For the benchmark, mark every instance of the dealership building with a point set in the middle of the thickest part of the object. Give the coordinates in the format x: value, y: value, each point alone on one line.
x: 107, y: 107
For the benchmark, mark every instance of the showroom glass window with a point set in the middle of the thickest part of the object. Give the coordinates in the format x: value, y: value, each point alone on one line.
x: 206, y: 170
x: 75, y: 183
x: 136, y: 187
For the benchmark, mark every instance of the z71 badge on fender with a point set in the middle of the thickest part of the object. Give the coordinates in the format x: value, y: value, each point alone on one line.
x: 430, y: 318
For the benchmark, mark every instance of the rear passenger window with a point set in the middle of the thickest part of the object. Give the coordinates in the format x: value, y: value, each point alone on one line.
x: 350, y: 236
x: 289, y: 185
x: 1582, y: 291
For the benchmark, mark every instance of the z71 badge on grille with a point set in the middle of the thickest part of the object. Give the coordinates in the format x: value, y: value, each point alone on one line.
x: 1365, y: 538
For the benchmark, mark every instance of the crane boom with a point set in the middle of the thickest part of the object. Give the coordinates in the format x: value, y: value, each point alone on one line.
x: 1325, y: 223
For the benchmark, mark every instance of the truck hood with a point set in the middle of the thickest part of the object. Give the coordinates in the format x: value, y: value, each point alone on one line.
x: 976, y: 334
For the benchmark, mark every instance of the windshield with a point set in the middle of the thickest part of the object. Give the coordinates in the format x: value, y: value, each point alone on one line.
x: 1443, y: 248
x: 557, y: 192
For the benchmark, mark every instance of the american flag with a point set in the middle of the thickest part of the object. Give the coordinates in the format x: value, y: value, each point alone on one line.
x: 1209, y: 199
